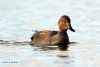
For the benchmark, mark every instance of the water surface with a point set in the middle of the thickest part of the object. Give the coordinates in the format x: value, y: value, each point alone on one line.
x: 19, y: 17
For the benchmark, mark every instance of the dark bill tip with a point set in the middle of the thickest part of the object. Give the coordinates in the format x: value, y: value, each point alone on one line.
x: 72, y: 29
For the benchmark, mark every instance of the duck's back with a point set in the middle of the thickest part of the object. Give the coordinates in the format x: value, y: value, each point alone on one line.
x: 43, y: 37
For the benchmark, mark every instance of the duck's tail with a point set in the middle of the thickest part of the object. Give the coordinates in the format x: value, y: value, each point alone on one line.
x: 32, y: 38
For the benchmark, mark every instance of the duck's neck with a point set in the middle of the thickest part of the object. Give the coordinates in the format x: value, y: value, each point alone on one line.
x: 62, y: 31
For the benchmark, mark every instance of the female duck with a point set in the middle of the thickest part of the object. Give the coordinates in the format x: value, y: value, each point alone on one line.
x: 59, y: 37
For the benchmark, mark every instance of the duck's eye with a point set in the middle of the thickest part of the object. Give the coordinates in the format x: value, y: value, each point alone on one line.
x: 65, y: 21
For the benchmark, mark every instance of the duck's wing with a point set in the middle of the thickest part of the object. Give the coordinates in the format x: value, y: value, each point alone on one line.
x: 42, y: 37
x: 53, y: 33
x: 45, y: 32
x: 38, y: 35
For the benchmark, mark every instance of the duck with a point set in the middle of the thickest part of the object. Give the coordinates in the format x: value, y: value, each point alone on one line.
x: 59, y: 37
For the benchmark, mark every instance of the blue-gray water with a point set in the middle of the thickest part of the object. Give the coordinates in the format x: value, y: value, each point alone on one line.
x: 19, y: 17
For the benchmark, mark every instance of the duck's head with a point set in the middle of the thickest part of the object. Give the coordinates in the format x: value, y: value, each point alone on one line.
x: 64, y: 24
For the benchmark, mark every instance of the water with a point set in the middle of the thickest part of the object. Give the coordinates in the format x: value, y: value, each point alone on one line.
x: 19, y: 17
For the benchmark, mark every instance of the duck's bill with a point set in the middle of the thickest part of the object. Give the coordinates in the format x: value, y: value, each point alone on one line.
x: 71, y: 29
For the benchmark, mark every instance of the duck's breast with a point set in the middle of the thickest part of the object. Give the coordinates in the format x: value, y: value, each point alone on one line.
x: 60, y: 38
